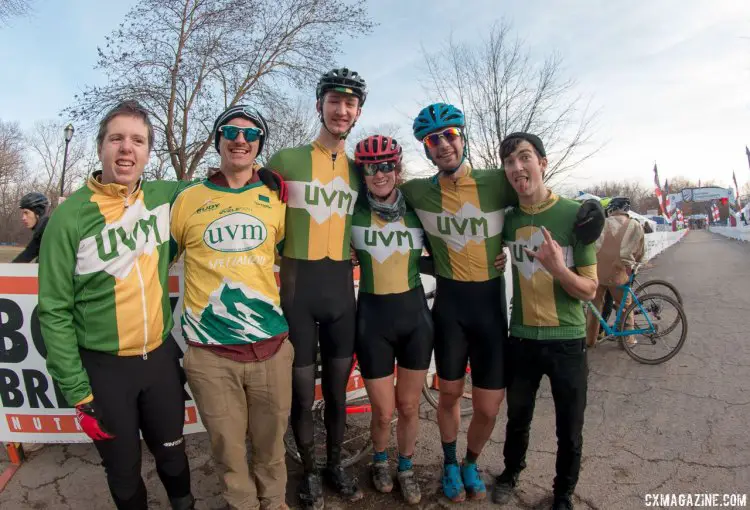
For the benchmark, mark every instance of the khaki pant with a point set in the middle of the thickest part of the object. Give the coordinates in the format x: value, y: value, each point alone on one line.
x: 592, y: 326
x: 245, y: 400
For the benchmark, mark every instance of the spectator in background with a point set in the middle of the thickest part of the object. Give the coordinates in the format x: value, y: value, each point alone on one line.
x: 619, y: 248
x: 34, y: 216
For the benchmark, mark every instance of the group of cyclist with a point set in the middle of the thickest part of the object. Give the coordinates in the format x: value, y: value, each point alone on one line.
x: 253, y: 348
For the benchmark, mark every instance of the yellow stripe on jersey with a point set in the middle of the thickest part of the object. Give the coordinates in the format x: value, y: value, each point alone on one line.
x: 456, y: 195
x: 540, y: 309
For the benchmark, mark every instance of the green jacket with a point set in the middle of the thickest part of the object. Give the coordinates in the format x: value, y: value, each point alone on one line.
x: 103, y: 277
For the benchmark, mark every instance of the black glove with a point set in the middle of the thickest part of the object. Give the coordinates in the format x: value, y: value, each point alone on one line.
x: 589, y: 221
x: 275, y: 182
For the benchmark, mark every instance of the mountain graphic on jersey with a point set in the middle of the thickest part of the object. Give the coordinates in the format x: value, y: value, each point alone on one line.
x: 468, y: 224
x: 382, y: 242
x: 118, y: 245
x: 528, y: 267
x: 322, y: 201
x: 235, y: 314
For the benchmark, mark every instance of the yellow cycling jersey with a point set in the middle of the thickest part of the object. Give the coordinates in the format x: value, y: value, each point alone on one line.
x: 229, y: 237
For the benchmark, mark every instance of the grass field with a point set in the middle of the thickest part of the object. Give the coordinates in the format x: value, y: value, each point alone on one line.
x: 8, y: 252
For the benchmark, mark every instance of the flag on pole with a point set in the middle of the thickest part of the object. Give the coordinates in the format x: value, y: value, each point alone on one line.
x: 699, y: 183
x: 747, y: 153
x: 739, y: 204
x: 659, y: 194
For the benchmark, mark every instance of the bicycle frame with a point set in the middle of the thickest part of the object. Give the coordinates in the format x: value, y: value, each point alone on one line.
x: 614, y: 330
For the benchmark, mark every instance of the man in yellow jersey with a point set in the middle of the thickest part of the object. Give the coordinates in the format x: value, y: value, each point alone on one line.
x: 317, y: 290
x: 239, y: 360
x: 461, y: 210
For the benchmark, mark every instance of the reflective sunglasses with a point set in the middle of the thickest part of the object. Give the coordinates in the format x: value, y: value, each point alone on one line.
x: 449, y: 134
x: 371, y: 169
x: 232, y: 132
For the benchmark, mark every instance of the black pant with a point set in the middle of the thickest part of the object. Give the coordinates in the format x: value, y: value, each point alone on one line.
x: 136, y: 395
x: 564, y: 362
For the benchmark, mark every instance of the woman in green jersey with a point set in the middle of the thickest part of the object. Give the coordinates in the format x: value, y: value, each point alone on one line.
x: 393, y: 320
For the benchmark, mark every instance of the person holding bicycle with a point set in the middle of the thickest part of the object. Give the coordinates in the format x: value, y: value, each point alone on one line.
x: 317, y: 285
x: 461, y: 210
x: 553, y: 271
x: 619, y: 248
x: 33, y: 207
x: 239, y: 359
x: 393, y: 319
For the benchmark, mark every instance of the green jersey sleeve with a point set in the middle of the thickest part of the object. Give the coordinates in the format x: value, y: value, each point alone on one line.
x: 57, y: 262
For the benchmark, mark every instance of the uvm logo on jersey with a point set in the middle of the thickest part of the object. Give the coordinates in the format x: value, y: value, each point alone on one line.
x: 117, y: 246
x: 526, y: 265
x: 322, y: 201
x: 235, y: 232
x: 468, y: 224
x: 393, y: 237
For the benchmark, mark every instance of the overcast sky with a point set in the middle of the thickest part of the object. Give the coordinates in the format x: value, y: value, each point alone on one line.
x: 670, y: 78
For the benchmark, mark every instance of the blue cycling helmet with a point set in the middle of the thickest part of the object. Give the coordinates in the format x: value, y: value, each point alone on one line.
x: 437, y: 116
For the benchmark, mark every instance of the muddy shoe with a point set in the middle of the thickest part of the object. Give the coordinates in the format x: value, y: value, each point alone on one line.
x: 407, y: 480
x: 453, y: 486
x: 505, y: 486
x: 473, y: 483
x: 311, y: 492
x: 381, y: 476
x: 342, y: 482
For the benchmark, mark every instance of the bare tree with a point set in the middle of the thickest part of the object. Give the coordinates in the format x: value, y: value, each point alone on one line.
x: 186, y: 60
x: 10, y: 9
x: 501, y: 89
x: 292, y: 122
x: 13, y: 180
x: 640, y: 196
x: 48, y: 146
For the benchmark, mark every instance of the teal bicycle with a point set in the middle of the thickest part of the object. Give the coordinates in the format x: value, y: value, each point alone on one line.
x: 659, y: 329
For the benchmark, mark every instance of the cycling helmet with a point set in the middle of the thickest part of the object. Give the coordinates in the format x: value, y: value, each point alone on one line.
x: 342, y: 80
x: 618, y: 204
x: 35, y: 202
x: 377, y: 149
x: 245, y: 112
x: 437, y: 116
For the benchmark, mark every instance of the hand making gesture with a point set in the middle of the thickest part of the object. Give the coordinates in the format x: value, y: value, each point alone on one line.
x: 549, y: 254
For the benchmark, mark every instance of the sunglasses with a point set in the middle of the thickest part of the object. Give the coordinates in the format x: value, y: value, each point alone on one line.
x: 251, y: 134
x: 371, y: 169
x: 449, y: 134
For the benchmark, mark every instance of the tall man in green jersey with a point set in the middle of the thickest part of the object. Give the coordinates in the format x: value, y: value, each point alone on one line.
x: 317, y: 288
x: 553, y: 271
x: 461, y: 210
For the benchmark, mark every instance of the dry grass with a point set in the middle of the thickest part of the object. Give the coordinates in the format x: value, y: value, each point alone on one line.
x: 7, y: 253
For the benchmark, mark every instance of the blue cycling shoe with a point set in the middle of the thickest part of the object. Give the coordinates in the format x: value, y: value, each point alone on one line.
x: 453, y: 487
x: 473, y: 482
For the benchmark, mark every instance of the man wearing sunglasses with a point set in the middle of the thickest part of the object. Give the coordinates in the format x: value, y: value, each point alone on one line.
x: 317, y: 288
x: 461, y: 210
x: 239, y: 360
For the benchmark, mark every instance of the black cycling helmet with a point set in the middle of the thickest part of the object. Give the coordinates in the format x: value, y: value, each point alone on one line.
x: 35, y: 202
x: 589, y: 221
x: 618, y: 204
x: 342, y: 80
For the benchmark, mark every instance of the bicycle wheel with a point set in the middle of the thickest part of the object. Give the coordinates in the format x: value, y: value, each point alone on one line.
x: 669, y: 324
x: 662, y: 287
x: 431, y: 394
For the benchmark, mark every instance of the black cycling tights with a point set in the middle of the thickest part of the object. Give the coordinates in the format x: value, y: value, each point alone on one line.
x: 335, y: 377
